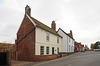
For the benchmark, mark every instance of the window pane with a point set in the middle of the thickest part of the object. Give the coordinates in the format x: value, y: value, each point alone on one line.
x: 69, y: 39
x: 47, y: 37
x: 57, y: 39
x: 47, y: 50
x: 41, y: 50
x: 58, y: 50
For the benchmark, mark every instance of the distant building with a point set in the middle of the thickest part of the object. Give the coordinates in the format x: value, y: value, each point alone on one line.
x: 78, y: 47
x: 86, y: 48
x: 36, y: 41
x: 67, y: 41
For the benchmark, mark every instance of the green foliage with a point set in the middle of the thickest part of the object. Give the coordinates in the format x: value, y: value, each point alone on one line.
x: 96, y: 45
x: 93, y: 46
x: 12, y: 49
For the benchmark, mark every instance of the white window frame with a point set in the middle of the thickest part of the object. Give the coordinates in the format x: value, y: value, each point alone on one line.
x: 47, y: 50
x: 69, y: 40
x: 57, y: 39
x: 41, y: 50
x: 57, y: 49
x: 47, y: 37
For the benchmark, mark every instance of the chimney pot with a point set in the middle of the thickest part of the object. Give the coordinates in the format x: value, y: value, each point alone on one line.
x: 71, y: 34
x: 28, y: 10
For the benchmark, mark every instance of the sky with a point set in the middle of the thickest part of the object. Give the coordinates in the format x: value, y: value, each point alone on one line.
x: 80, y: 16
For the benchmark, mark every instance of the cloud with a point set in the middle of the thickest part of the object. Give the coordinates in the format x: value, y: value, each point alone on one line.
x: 11, y: 17
x: 80, y: 16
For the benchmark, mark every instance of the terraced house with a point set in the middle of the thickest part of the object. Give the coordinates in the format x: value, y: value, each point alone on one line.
x: 67, y: 41
x: 36, y: 41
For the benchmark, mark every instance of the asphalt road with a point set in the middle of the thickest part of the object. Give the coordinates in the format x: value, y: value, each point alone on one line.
x: 88, y: 58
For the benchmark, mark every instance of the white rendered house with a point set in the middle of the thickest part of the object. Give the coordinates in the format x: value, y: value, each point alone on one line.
x: 67, y: 41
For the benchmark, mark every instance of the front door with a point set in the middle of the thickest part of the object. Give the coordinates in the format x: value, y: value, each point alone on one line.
x: 52, y: 50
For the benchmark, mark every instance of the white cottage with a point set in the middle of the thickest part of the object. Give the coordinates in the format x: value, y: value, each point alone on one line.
x: 67, y: 41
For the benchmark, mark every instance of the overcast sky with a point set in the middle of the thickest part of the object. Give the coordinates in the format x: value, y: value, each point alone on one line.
x: 80, y: 16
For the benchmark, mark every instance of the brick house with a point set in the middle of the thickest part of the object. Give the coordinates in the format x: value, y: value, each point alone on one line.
x: 86, y: 48
x: 36, y: 41
x: 78, y: 47
x: 67, y: 41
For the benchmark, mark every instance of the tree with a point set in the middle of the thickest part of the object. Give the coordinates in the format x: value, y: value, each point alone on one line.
x: 96, y: 45
x: 92, y: 46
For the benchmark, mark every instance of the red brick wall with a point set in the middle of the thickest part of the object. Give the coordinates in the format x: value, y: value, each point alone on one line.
x: 13, y: 55
x: 86, y: 48
x: 64, y: 55
x: 26, y: 46
x: 77, y: 47
x: 44, y: 57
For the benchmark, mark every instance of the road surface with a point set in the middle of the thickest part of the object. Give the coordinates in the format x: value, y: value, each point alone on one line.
x: 88, y: 58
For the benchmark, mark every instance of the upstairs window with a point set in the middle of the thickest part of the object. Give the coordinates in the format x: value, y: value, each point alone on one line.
x: 69, y: 39
x: 47, y: 37
x: 57, y: 39
x: 72, y: 42
x: 69, y: 48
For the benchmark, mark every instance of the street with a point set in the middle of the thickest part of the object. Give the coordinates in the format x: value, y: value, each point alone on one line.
x: 88, y: 58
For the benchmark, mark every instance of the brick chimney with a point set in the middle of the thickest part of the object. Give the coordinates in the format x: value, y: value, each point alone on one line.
x: 71, y: 34
x: 53, y: 25
x: 28, y: 10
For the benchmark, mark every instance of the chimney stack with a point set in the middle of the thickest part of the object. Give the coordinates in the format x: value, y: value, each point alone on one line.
x: 53, y: 25
x: 71, y: 34
x: 28, y: 10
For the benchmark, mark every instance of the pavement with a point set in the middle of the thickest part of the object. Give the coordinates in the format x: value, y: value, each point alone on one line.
x: 19, y: 63
x: 88, y: 58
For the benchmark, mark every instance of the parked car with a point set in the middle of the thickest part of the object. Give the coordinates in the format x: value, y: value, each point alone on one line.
x: 83, y: 51
x: 96, y: 49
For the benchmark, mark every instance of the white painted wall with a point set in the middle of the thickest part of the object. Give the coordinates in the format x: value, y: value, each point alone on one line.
x: 64, y: 41
x: 41, y: 41
x: 66, y: 45
x: 71, y: 43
